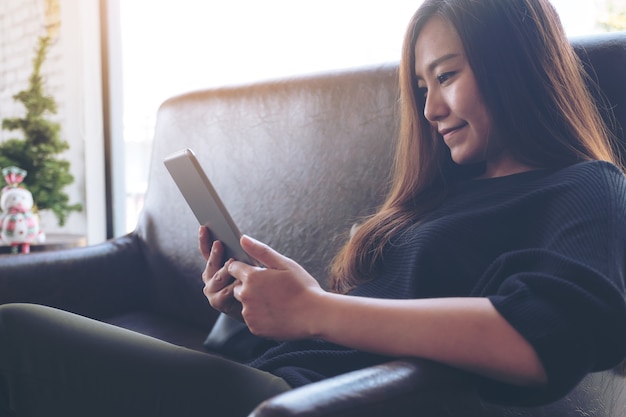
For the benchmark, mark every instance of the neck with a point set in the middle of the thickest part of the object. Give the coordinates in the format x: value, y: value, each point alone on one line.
x: 504, y: 165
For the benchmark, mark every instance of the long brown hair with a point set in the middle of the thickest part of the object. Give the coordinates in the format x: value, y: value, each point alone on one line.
x: 532, y: 83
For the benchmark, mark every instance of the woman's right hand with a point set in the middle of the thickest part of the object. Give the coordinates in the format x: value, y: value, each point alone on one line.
x: 218, y: 283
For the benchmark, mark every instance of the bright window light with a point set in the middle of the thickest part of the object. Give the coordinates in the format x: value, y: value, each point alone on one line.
x: 173, y: 46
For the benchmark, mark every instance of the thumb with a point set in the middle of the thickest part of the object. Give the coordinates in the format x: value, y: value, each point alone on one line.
x: 263, y: 253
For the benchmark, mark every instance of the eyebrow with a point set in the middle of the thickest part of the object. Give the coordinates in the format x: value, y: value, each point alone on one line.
x: 431, y: 67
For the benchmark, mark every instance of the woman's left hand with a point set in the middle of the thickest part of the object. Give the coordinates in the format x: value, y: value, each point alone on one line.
x: 279, y: 301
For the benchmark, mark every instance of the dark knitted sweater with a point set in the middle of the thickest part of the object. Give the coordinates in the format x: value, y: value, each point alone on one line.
x: 546, y: 247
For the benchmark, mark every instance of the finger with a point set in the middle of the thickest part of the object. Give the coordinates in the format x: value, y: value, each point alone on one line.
x: 204, y: 241
x: 237, y: 290
x: 214, y: 261
x: 220, y: 279
x: 240, y: 270
x: 263, y: 253
x: 219, y: 285
x: 223, y: 300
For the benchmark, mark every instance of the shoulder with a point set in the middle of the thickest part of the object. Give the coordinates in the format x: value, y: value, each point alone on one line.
x: 591, y: 186
x: 596, y: 177
x: 590, y: 171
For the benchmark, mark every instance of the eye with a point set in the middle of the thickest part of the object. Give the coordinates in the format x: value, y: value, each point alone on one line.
x: 442, y: 78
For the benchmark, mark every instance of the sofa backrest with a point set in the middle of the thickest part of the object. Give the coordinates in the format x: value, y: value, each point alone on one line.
x: 297, y: 162
x: 604, y: 59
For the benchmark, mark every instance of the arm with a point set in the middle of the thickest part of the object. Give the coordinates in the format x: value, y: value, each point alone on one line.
x: 284, y: 302
x: 466, y: 333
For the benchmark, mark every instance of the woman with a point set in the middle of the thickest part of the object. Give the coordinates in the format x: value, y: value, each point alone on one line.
x: 500, y: 255
x: 498, y: 251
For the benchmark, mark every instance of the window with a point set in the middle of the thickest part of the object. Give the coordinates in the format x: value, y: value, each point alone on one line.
x: 169, y: 47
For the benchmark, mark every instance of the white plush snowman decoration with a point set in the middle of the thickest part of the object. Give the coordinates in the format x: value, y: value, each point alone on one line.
x: 18, y: 224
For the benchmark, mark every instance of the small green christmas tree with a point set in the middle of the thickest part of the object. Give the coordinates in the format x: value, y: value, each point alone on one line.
x: 37, y: 152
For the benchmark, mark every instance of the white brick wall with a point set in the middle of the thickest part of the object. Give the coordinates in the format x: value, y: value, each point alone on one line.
x: 72, y: 76
x: 22, y: 22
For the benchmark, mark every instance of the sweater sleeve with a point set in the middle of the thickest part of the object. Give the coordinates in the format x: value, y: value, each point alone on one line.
x: 566, y: 295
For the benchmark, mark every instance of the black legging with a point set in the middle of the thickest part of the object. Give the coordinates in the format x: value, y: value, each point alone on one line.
x: 54, y: 363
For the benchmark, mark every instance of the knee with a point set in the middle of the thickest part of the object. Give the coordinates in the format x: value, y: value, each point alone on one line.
x: 13, y: 315
x: 8, y: 312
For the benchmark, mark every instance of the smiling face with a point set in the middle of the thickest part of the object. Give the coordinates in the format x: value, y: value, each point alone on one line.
x: 452, y: 101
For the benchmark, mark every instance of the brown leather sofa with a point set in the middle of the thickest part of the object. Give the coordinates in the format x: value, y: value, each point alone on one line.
x: 297, y: 162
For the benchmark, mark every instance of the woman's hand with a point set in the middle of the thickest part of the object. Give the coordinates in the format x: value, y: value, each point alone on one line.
x: 283, y: 302
x: 280, y: 301
x: 218, y: 284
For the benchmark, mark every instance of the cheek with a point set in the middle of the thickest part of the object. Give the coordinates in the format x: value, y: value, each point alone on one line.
x: 478, y: 116
x: 480, y: 107
x: 482, y: 121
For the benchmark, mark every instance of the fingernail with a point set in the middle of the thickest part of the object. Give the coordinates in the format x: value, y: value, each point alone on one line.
x: 229, y: 263
x: 251, y: 238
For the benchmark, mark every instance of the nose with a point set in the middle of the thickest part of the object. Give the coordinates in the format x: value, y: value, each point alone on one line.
x: 435, y: 107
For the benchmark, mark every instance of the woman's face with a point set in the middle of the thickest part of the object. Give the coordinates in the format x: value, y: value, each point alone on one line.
x: 452, y: 102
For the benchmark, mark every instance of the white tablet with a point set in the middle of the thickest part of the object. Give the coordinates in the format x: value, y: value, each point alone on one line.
x: 204, y: 202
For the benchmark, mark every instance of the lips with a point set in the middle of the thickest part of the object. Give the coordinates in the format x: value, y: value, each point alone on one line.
x: 447, y: 132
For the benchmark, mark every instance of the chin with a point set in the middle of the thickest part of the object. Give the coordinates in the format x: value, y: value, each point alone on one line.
x: 467, y: 160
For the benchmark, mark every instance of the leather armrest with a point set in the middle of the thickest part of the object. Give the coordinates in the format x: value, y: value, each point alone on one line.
x: 95, y: 281
x: 399, y: 388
